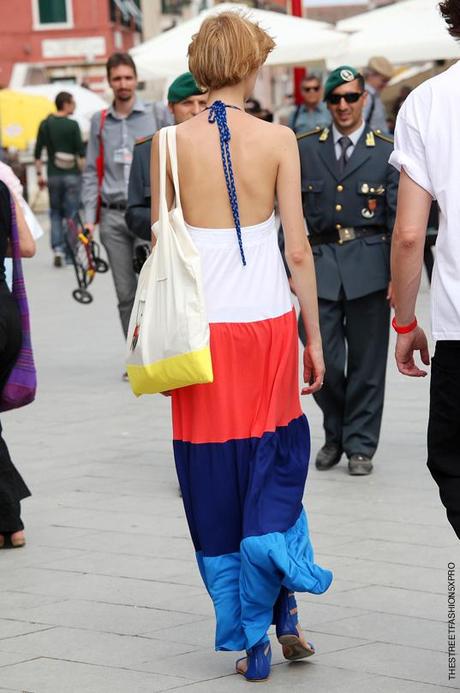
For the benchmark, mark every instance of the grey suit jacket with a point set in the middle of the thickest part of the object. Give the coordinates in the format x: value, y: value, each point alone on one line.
x: 139, y: 195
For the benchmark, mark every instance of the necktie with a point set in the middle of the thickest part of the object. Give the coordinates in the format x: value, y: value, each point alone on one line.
x: 344, y: 142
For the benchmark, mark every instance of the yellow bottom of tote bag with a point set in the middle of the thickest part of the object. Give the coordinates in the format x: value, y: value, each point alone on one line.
x: 171, y: 373
x: 168, y: 334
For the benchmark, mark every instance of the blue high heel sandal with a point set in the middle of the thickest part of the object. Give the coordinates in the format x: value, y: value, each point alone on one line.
x: 259, y: 658
x: 286, y: 620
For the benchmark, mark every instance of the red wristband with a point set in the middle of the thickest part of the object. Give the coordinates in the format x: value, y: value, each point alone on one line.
x: 404, y: 329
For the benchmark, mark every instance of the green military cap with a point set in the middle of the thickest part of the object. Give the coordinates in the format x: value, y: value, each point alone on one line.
x: 341, y: 75
x: 183, y: 87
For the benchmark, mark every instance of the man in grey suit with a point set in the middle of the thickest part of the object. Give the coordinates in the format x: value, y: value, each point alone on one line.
x: 349, y: 197
x: 105, y: 179
x: 185, y: 100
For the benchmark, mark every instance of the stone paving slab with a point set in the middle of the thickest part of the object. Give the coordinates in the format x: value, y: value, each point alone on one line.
x: 92, y: 647
x: 390, y: 629
x: 53, y: 675
x: 98, y: 616
x: 12, y: 629
x: 397, y: 661
x: 106, y: 597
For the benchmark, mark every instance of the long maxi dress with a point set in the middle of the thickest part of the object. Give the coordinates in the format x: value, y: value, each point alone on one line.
x: 242, y: 442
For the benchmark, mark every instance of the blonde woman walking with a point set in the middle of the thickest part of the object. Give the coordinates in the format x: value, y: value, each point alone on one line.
x: 242, y: 443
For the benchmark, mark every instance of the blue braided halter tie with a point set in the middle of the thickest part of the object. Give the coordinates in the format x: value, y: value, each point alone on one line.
x: 218, y: 114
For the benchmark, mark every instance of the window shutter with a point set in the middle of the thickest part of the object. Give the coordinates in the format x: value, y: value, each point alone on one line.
x: 52, y: 11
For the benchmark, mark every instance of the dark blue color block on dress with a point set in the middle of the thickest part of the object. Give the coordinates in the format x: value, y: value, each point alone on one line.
x: 243, y: 488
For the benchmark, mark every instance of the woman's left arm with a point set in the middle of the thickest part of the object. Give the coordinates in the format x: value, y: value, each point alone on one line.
x: 27, y: 244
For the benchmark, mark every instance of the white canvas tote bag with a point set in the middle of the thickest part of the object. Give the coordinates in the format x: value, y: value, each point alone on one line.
x: 168, y: 335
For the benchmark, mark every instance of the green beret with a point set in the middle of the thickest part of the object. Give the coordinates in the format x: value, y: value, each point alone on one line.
x: 183, y: 87
x: 341, y: 75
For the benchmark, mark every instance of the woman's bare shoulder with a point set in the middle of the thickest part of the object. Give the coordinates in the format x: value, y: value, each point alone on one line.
x: 277, y: 132
x: 285, y: 133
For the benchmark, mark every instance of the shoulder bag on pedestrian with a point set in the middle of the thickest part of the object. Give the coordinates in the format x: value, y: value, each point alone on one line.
x: 100, y: 163
x: 21, y: 385
x: 168, y: 335
x: 62, y: 160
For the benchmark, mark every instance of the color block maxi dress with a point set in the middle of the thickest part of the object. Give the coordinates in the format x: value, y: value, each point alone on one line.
x: 242, y: 443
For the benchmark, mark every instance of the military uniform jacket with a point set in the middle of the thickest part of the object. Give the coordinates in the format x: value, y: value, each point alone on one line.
x: 139, y: 194
x: 363, y: 197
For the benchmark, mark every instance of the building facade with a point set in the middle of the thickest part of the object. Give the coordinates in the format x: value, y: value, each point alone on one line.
x: 65, y: 40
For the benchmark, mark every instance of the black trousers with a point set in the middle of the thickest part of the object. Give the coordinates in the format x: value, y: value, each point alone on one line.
x: 355, y: 337
x: 444, y: 427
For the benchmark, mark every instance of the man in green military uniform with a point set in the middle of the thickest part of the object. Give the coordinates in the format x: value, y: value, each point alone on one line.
x: 185, y: 100
x: 349, y: 197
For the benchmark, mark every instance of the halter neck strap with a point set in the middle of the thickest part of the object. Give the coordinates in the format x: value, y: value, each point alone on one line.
x: 218, y: 115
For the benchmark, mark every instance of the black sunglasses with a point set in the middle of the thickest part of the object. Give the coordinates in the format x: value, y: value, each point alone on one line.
x: 352, y: 97
x: 310, y: 89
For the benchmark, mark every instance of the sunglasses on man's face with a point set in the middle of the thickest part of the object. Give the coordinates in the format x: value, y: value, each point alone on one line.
x: 308, y: 89
x: 352, y: 97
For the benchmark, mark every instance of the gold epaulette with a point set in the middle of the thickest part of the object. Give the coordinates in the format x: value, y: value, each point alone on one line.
x: 301, y: 135
x: 383, y: 136
x: 141, y: 140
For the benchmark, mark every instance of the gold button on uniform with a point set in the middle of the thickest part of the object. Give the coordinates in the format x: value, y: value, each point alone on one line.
x: 340, y: 188
x: 338, y: 226
x: 338, y: 208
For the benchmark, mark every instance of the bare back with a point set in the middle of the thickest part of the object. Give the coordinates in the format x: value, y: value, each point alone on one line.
x: 255, y: 160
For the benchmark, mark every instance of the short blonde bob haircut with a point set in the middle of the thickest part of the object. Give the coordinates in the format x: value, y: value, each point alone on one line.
x: 227, y: 48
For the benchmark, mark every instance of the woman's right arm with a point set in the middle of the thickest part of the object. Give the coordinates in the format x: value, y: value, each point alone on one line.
x: 299, y: 256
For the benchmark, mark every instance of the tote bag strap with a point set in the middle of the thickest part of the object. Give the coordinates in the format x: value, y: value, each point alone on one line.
x: 163, y: 205
x: 19, y: 288
x: 172, y: 149
x: 18, y: 278
x: 167, y: 145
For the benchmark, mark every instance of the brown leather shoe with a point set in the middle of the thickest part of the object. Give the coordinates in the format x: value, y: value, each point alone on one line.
x: 359, y: 465
x: 328, y: 456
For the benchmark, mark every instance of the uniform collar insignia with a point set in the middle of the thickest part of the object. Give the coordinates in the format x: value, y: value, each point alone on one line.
x: 324, y: 135
x: 370, y: 139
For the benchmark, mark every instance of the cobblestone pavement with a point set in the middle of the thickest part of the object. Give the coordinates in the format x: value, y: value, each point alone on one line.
x: 106, y: 596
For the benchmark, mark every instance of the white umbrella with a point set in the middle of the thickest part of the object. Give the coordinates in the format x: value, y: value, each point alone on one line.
x: 87, y: 101
x: 408, y: 31
x: 298, y: 41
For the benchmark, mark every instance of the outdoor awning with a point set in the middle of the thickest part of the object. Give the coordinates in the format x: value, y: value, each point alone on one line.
x: 299, y: 41
x: 87, y: 101
x: 20, y: 116
x: 405, y: 32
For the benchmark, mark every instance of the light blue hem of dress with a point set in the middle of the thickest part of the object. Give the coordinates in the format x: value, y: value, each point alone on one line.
x: 245, y: 585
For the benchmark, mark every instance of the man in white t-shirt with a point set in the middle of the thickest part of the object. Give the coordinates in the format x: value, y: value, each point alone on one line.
x: 427, y: 152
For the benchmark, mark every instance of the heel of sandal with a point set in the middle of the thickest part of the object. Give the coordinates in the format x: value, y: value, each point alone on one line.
x: 295, y: 648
